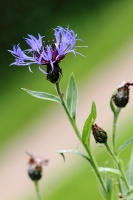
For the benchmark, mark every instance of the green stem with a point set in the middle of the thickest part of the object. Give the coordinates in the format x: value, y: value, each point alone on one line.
x: 37, y: 190
x: 116, y: 114
x: 118, y: 163
x: 119, y: 185
x: 95, y: 167
x: 73, y: 123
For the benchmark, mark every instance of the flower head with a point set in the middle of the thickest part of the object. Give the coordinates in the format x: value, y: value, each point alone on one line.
x: 35, y: 166
x: 46, y: 54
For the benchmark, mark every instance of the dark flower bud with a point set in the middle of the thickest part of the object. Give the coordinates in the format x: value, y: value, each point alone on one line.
x: 99, y: 134
x: 35, y: 167
x: 35, y: 172
x: 121, y: 96
x: 54, y: 75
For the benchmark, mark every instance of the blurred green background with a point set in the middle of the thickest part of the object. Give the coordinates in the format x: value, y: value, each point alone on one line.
x: 105, y: 26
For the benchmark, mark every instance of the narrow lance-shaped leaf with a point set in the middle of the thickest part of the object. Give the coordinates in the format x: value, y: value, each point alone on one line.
x: 61, y: 152
x: 129, y: 196
x: 72, y: 96
x: 129, y: 172
x: 109, y: 185
x: 88, y: 126
x: 109, y: 170
x: 42, y: 95
x: 126, y: 144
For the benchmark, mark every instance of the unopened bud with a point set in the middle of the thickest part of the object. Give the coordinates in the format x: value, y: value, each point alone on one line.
x: 54, y: 75
x: 35, y: 172
x: 99, y: 134
x: 35, y: 167
x: 121, y: 96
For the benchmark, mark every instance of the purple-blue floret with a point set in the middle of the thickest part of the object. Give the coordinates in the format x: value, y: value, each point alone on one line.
x: 45, y: 54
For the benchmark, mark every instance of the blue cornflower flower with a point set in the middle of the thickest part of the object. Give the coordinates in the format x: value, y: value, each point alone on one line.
x: 46, y: 54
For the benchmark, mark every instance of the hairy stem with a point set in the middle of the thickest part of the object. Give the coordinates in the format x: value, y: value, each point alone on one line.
x: 116, y: 114
x: 95, y: 167
x: 37, y: 190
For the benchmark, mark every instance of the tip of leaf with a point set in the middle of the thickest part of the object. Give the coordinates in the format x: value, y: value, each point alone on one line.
x: 62, y: 154
x: 72, y: 74
x: 23, y: 89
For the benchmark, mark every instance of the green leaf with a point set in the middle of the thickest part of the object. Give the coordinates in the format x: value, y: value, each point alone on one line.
x: 130, y: 163
x: 75, y: 152
x: 129, y: 195
x: 88, y: 125
x: 126, y: 144
x: 109, y: 184
x: 108, y: 181
x: 43, y: 95
x: 129, y: 172
x: 110, y: 170
x: 72, y: 96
